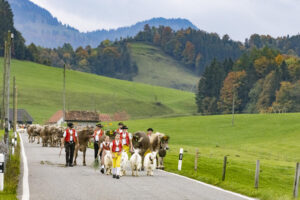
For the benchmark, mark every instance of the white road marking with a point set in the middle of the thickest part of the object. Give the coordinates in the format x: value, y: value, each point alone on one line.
x: 25, y: 195
x: 210, y: 186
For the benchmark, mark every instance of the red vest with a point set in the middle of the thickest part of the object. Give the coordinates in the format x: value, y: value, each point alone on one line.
x: 68, y: 135
x: 126, y: 137
x: 100, y: 134
x: 105, y: 147
x: 114, y: 146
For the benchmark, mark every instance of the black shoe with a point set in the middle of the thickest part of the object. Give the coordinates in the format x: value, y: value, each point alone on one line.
x: 118, y: 177
x: 70, y: 165
x: 67, y: 164
x: 102, y: 170
x: 114, y: 176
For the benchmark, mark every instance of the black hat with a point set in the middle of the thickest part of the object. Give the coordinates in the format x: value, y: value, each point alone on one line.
x: 150, y: 129
x: 120, y: 124
x: 124, y: 127
x: 99, y: 125
x: 70, y: 124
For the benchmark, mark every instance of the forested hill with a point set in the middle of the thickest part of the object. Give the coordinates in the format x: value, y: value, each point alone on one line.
x: 38, y: 26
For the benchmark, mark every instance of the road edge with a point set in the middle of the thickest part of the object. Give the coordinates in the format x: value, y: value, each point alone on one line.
x: 210, y: 186
x: 25, y: 191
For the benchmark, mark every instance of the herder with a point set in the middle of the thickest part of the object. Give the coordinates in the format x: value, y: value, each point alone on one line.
x: 126, y: 139
x: 98, y: 133
x: 69, y: 140
x: 116, y: 149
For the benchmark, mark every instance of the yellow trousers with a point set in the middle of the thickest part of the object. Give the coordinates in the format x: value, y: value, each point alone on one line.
x: 116, y: 160
x: 126, y: 148
x: 148, y: 151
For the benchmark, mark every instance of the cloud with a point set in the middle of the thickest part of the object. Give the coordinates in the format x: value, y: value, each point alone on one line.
x: 238, y: 18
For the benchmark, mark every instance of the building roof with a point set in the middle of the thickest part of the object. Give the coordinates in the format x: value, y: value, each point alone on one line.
x: 22, y: 115
x: 82, y: 116
x: 105, y: 118
x: 56, y: 117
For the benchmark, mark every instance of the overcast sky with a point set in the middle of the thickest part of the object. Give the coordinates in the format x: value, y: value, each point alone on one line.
x: 238, y: 18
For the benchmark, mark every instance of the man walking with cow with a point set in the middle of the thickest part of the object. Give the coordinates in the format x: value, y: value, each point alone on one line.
x: 126, y: 139
x: 69, y: 140
x: 98, y: 133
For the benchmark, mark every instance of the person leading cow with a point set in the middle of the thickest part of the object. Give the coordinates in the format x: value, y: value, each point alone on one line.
x: 126, y: 139
x: 69, y: 140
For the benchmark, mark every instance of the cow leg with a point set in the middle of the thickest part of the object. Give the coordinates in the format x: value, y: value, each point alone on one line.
x: 75, y: 157
x: 143, y: 157
x: 162, y: 163
x: 84, y: 151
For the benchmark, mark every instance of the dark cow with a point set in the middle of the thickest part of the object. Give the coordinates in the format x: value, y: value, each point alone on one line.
x: 84, y: 137
x: 141, y: 141
x: 159, y: 142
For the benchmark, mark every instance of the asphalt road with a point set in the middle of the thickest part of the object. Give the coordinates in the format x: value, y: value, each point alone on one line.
x: 50, y: 180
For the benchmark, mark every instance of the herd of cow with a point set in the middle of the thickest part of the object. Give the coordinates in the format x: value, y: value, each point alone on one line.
x: 157, y: 143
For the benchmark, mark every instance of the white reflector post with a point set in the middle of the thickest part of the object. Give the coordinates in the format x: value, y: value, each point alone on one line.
x: 13, y: 146
x: 180, y: 159
x: 1, y: 172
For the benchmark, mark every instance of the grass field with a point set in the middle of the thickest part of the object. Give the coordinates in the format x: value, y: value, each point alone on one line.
x: 12, y: 173
x: 271, y: 138
x: 157, y: 68
x: 40, y: 93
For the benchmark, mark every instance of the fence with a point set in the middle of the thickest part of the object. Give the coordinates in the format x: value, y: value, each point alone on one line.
x: 224, y: 172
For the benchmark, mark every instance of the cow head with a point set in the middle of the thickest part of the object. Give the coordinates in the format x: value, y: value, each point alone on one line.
x: 164, y: 142
x: 137, y: 141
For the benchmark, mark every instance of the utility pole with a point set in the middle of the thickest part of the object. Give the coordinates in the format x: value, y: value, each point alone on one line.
x: 15, y: 115
x: 7, y: 82
x: 64, y: 93
x: 3, y: 87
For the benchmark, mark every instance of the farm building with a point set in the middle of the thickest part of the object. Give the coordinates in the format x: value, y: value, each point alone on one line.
x: 23, y: 117
x: 57, y: 118
x: 82, y: 118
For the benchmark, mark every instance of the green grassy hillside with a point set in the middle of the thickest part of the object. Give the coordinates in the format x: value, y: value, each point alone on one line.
x: 271, y: 138
x: 40, y: 92
x: 157, y: 68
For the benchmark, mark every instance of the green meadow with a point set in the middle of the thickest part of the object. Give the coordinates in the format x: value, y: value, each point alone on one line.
x: 40, y: 93
x: 157, y: 68
x: 271, y: 138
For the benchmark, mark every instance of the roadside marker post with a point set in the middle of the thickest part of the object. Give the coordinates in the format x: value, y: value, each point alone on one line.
x: 2, y: 165
x: 180, y: 159
x: 13, y: 146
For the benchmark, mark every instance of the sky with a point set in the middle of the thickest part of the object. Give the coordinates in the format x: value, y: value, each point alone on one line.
x: 237, y: 18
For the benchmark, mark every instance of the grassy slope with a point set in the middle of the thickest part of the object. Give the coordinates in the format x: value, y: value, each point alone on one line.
x: 40, y: 92
x: 157, y: 68
x: 273, y: 139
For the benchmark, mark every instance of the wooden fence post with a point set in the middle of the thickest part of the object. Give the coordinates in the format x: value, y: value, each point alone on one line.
x: 296, y: 182
x: 196, y: 159
x: 257, y: 170
x: 224, y: 168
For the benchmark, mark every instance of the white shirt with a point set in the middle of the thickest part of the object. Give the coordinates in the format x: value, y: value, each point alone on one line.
x: 71, y: 134
x: 97, y: 136
x: 101, y: 145
x: 124, y: 137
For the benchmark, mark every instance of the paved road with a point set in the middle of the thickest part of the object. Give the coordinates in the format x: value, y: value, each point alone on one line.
x: 50, y: 180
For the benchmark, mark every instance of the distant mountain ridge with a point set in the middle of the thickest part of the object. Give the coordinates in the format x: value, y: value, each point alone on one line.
x: 37, y: 25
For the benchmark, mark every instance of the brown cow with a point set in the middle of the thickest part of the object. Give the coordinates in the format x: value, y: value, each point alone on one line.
x: 84, y: 137
x: 141, y: 141
x: 159, y: 142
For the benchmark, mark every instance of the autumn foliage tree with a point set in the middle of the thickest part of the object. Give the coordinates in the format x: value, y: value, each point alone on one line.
x: 232, y: 85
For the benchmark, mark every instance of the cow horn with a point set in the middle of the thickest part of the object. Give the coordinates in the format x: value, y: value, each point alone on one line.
x: 141, y: 139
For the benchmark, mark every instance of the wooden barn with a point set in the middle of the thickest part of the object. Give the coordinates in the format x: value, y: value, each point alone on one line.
x: 23, y: 117
x: 82, y: 118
